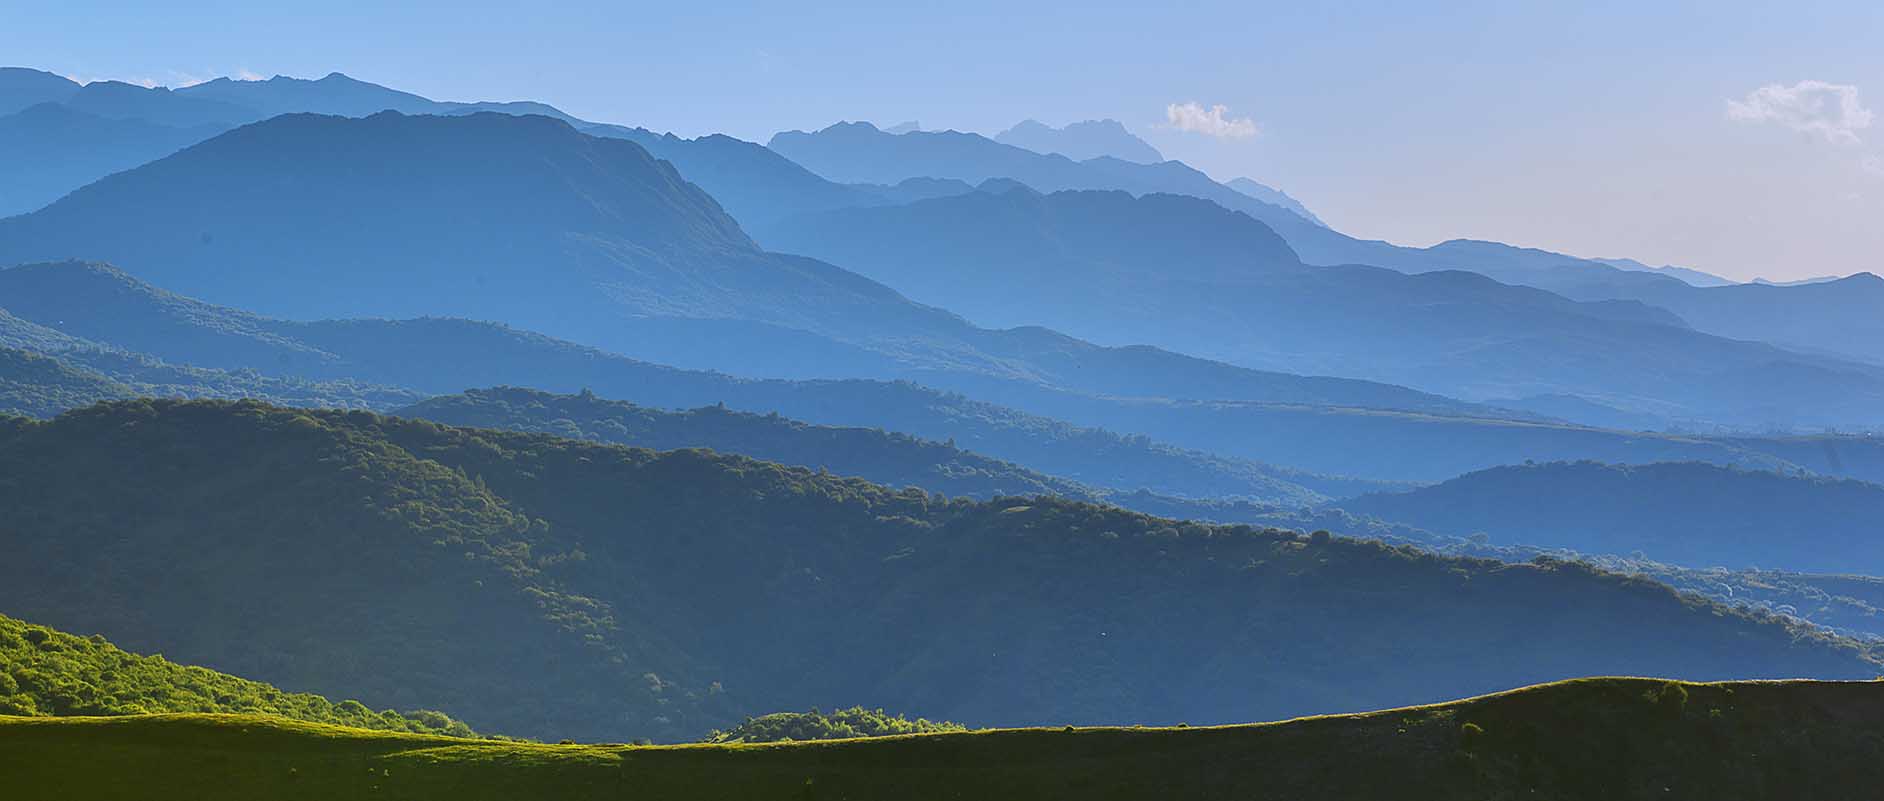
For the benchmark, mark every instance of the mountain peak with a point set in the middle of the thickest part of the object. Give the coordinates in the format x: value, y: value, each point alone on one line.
x: 1080, y: 141
x: 397, y: 209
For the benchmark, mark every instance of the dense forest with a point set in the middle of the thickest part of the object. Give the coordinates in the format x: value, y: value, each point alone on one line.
x: 44, y: 672
x: 673, y: 593
x: 1691, y: 514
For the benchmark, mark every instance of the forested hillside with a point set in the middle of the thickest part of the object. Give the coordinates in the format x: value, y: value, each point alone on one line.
x: 674, y: 593
x: 44, y: 672
x: 1686, y: 513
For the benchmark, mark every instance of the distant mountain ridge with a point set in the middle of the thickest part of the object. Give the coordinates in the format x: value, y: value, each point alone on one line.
x: 586, y: 238
x: 1181, y: 448
x: 1079, y: 141
x: 1185, y: 274
x: 1690, y: 514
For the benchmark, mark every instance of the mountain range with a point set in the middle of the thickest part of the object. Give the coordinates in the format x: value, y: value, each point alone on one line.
x: 359, y: 360
x: 1186, y: 274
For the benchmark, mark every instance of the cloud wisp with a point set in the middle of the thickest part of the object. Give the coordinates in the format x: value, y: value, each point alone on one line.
x: 1211, y: 121
x: 1827, y: 110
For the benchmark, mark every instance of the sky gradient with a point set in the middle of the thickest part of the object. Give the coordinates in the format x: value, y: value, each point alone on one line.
x: 1744, y: 139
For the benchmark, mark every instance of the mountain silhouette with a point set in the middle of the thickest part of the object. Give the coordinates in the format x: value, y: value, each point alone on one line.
x: 1080, y: 141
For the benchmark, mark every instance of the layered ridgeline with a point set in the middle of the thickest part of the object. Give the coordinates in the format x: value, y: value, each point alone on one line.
x: 49, y: 673
x: 1184, y: 273
x: 859, y: 153
x: 350, y: 363
x: 1687, y: 513
x: 1632, y: 739
x: 1838, y: 317
x: 881, y: 457
x: 440, y: 356
x: 44, y: 371
x: 669, y: 594
x: 587, y: 238
x: 61, y: 136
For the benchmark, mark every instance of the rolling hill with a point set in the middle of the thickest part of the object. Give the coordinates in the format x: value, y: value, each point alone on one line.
x: 671, y: 593
x: 1624, y: 739
x: 1692, y: 514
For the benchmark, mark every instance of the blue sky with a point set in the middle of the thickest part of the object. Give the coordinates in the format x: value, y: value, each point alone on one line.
x: 1601, y: 129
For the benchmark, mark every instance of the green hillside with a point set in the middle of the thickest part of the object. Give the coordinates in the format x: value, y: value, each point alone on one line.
x: 672, y: 593
x: 1616, y: 739
x: 54, y: 674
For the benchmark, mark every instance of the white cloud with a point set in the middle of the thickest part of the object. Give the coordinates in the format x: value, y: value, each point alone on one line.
x: 1213, y: 121
x: 1828, y: 110
x: 1873, y: 165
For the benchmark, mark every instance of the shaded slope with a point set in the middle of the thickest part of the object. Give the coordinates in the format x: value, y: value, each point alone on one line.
x: 671, y: 593
x: 1625, y: 739
x: 1687, y: 513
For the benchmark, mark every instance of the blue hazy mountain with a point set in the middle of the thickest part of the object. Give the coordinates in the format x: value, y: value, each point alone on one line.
x: 82, y: 308
x: 586, y: 238
x: 1273, y: 196
x: 1686, y: 274
x: 117, y: 100
x: 1079, y: 141
x: 22, y: 88
x: 1697, y: 515
x: 49, y: 149
x: 859, y: 153
x: 1839, y: 315
x: 1186, y: 274
x: 1196, y: 449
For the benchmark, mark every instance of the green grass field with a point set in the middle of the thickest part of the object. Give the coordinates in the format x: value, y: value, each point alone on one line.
x: 1584, y: 739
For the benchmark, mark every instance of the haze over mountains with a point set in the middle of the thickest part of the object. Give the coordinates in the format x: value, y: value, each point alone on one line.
x: 578, y: 429
x: 1188, y: 275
